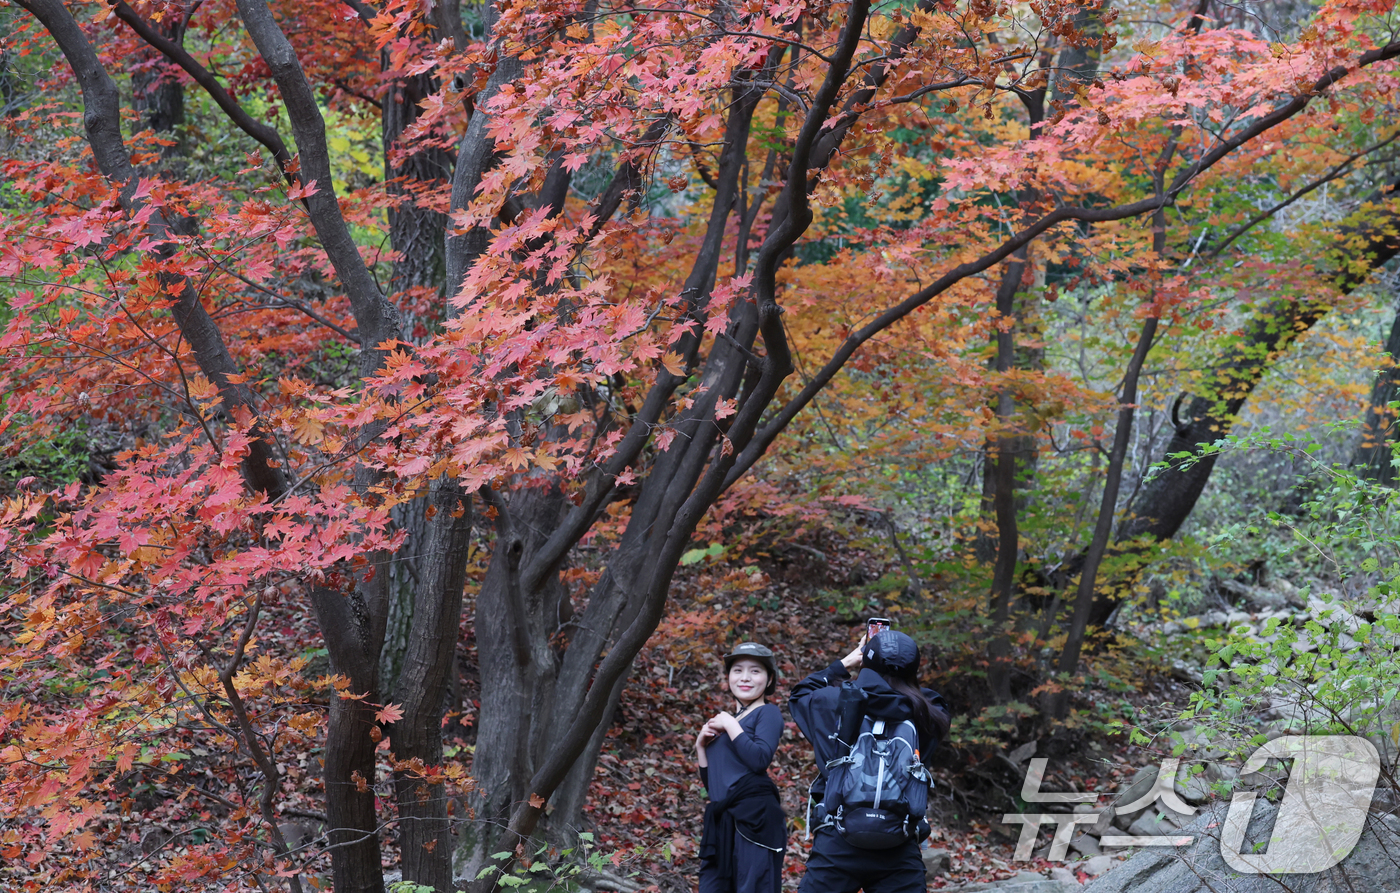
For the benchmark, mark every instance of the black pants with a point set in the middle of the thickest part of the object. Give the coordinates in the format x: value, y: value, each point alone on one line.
x: 757, y: 869
x: 837, y: 867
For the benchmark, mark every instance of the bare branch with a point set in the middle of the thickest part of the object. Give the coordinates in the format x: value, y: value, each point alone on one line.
x: 202, y: 76
x: 271, y: 776
x: 377, y: 319
x: 1334, y: 173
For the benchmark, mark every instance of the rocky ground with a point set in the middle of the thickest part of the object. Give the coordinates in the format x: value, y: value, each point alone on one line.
x: 1196, y: 808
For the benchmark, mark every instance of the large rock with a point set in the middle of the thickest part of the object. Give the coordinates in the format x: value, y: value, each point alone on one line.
x: 936, y: 862
x: 1254, y: 597
x: 1372, y: 867
x: 1085, y: 844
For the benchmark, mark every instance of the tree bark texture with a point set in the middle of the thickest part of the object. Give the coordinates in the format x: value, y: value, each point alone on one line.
x: 405, y: 572
x: 415, y: 233
x: 425, y: 832
x: 350, y: 761
x: 1373, y: 450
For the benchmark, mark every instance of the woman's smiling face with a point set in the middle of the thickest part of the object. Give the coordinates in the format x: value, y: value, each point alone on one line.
x: 747, y: 679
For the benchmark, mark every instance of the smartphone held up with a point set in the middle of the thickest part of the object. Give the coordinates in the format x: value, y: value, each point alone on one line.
x: 876, y: 625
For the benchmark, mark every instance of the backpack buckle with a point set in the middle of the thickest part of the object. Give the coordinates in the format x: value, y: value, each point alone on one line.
x: 839, y: 761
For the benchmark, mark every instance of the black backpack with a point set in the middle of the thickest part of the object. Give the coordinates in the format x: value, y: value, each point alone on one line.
x: 877, y: 793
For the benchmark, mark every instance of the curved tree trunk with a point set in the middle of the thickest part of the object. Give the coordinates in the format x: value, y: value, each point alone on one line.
x: 1165, y: 502
x: 517, y: 670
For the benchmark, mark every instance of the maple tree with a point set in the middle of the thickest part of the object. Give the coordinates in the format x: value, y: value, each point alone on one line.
x: 591, y: 289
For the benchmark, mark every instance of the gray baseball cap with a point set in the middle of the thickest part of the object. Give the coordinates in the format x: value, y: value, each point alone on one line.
x: 760, y: 653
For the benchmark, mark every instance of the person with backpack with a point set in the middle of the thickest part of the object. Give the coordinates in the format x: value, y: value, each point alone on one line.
x: 745, y: 832
x: 872, y: 737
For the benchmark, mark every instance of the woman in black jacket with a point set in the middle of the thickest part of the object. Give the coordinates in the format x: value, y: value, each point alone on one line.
x: 888, y: 668
x: 745, y: 832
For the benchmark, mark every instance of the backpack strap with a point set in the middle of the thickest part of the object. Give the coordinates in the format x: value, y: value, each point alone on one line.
x: 826, y: 820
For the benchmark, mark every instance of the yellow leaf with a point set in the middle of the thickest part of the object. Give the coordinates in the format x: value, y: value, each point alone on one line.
x: 202, y: 388
x: 515, y: 457
x: 674, y: 364
x: 308, y: 429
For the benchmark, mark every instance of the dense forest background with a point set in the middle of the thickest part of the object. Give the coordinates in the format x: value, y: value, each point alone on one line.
x: 406, y: 405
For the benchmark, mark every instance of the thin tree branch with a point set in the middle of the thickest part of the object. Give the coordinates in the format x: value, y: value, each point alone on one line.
x: 889, y: 317
x: 202, y: 76
x: 1331, y: 175
x: 272, y: 778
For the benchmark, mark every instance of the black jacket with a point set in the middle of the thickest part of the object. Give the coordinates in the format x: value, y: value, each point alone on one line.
x: 752, y: 808
x: 813, y: 706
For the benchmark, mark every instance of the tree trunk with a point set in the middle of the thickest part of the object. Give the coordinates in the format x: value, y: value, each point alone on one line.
x: 517, y: 672
x: 1079, y: 62
x: 1373, y: 451
x: 349, y: 770
x: 425, y: 832
x: 426, y: 579
x: 404, y: 572
x: 1166, y: 500
x: 159, y: 96
x: 1058, y: 702
x: 532, y: 695
x: 416, y: 234
x: 1004, y: 487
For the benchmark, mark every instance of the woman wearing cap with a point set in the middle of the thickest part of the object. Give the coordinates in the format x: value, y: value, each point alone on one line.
x: 888, y: 686
x: 745, y: 831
